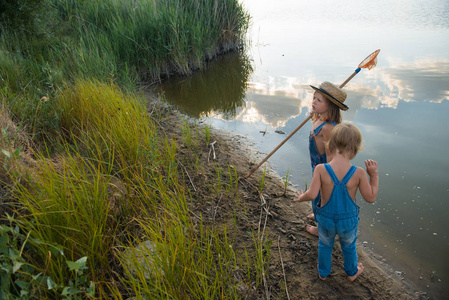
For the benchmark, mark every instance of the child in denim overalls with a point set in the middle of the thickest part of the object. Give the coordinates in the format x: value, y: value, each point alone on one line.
x: 338, y: 213
x: 327, y: 102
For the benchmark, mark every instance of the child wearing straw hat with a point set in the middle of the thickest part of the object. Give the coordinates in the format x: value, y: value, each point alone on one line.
x: 338, y: 214
x: 327, y: 102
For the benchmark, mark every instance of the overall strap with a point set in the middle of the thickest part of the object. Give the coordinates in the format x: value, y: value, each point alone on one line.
x: 318, y: 129
x: 349, y: 175
x: 331, y: 173
x: 334, y: 177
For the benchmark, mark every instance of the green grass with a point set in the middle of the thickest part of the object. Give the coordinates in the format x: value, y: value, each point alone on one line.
x: 68, y: 204
x: 182, y: 260
x: 106, y: 178
x: 101, y: 117
x: 286, y: 181
x: 100, y: 205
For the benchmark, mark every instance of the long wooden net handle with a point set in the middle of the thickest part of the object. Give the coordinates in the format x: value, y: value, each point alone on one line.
x: 369, y: 62
x: 279, y: 146
x: 349, y: 78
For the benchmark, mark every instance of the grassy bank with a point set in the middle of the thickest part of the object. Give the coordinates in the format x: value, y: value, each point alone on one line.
x: 96, y: 202
x: 55, y: 42
x: 110, y: 217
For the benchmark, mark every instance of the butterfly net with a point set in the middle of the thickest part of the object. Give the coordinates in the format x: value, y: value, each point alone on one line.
x: 370, y: 62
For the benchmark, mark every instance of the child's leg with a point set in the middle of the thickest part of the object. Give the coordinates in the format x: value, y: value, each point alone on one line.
x: 325, y: 247
x: 347, y: 233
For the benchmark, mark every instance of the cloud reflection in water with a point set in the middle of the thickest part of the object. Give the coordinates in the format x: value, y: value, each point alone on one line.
x: 223, y: 90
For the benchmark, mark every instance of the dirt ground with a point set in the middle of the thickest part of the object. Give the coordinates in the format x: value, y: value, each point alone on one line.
x: 292, y: 270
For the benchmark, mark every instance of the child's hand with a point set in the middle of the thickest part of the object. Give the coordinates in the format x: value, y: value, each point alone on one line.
x: 371, y: 167
x: 298, y: 195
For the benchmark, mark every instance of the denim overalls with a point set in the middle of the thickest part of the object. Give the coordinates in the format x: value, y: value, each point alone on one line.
x: 339, y: 216
x: 316, y: 158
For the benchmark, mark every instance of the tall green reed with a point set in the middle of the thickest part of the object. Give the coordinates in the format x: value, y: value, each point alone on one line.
x: 157, y: 37
x: 111, y: 41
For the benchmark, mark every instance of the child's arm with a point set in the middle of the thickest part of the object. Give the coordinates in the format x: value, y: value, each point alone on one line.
x: 314, y: 189
x: 368, y: 190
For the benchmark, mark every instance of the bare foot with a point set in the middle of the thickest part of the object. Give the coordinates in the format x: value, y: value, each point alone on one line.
x: 359, y: 271
x: 313, y: 230
x: 319, y: 274
x: 311, y: 217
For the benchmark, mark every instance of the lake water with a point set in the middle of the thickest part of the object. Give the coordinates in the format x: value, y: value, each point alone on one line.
x: 401, y: 107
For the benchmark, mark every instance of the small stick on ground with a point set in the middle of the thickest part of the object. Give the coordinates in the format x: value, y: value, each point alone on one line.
x: 282, y: 264
x: 191, y: 182
x: 263, y: 208
x: 212, y: 149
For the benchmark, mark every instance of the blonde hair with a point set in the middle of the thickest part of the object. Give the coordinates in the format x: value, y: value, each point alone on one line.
x: 334, y: 112
x: 345, y: 137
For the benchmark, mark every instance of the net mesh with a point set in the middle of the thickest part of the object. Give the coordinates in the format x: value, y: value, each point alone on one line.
x: 370, y: 62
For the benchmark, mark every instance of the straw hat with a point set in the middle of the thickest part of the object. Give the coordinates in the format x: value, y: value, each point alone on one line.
x: 332, y: 93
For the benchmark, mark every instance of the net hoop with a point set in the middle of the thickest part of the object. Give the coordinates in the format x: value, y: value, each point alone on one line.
x: 370, y: 61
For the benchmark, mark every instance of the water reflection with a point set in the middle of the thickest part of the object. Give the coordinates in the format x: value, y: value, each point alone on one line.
x: 223, y: 91
x: 272, y: 109
x: 417, y: 81
x: 219, y: 89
